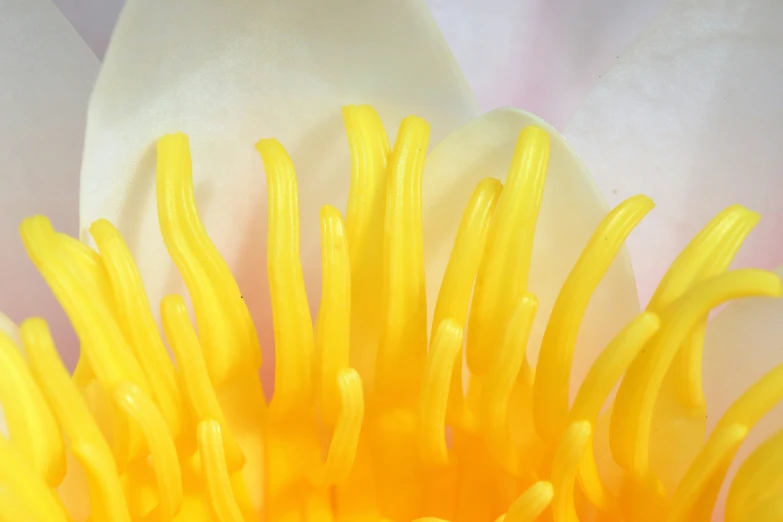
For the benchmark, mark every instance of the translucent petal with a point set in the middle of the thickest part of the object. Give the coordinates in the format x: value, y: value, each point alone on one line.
x: 690, y: 115
x: 47, y: 73
x: 743, y: 342
x: 229, y: 77
x: 94, y: 19
x: 541, y: 55
x: 571, y: 210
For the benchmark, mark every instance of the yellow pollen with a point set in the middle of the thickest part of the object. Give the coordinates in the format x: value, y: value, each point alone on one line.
x: 166, y: 420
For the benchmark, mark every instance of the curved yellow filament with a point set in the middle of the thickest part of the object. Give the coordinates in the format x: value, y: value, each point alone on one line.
x: 712, y: 461
x: 137, y: 322
x: 565, y: 467
x: 33, y: 429
x: 632, y: 415
x: 290, y: 311
x: 161, y: 445
x: 32, y: 493
x: 509, y: 366
x: 553, y: 372
x: 218, y: 482
x: 403, y: 333
x: 109, y: 502
x: 502, y: 276
x: 195, y: 377
x: 103, y: 342
x: 709, y: 254
x: 348, y: 427
x: 364, y: 225
x: 532, y: 503
x: 434, y: 399
x: 758, y: 482
x: 458, y: 280
x: 333, y: 330
x: 67, y: 404
x: 225, y: 329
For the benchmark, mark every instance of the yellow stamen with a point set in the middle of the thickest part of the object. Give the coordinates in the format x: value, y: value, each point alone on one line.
x: 138, y: 324
x: 457, y: 286
x: 757, y: 483
x: 504, y: 268
x: 551, y: 390
x: 369, y: 421
x: 435, y: 392
x: 632, y: 416
x: 291, y: 313
x: 501, y: 378
x: 529, y: 506
x: 31, y: 424
x: 225, y: 329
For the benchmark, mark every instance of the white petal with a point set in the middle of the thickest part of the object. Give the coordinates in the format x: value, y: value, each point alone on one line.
x: 47, y: 73
x: 230, y: 76
x: 541, y: 55
x: 93, y: 19
x: 691, y: 115
x: 571, y: 210
x: 743, y: 342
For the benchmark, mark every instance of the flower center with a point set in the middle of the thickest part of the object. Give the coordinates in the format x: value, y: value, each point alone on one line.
x: 369, y: 420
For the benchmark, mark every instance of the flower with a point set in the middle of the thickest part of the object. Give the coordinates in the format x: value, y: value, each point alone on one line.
x: 392, y: 446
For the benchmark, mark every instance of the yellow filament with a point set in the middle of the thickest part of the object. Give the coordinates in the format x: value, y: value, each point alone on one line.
x: 225, y: 329
x: 164, y: 454
x: 403, y: 341
x: 195, y: 378
x: 713, y: 460
x: 433, y: 404
x: 91, y: 268
x: 746, y: 411
x: 31, y: 425
x: 632, y: 415
x: 609, y: 367
x: 104, y: 343
x: 138, y: 323
x: 457, y: 285
x: 69, y: 408
x: 109, y: 500
x: 221, y: 495
x: 364, y: 224
x: 33, y: 494
x: 531, y: 504
x: 553, y: 372
x: 503, y: 374
x: 291, y: 313
x: 592, y: 484
x: 502, y: 277
x: 758, y: 481
x: 707, y: 255
x: 564, y: 470
x: 345, y: 440
x: 333, y: 332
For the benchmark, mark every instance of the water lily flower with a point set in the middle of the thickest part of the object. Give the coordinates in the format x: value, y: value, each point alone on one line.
x: 478, y: 351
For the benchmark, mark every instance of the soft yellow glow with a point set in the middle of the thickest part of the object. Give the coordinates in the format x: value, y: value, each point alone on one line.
x: 357, y: 428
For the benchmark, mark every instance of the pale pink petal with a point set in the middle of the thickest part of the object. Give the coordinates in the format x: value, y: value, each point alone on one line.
x: 540, y: 55
x: 47, y: 73
x: 230, y: 76
x: 692, y: 115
